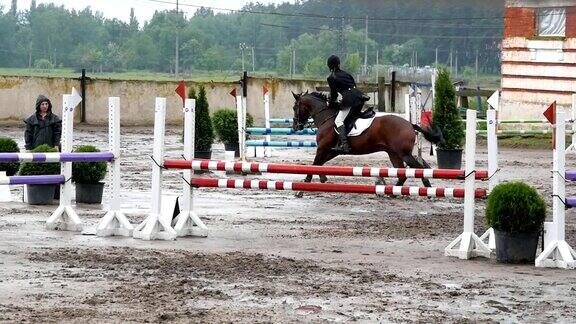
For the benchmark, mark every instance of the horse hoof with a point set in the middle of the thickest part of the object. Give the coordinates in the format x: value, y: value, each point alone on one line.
x: 299, y: 194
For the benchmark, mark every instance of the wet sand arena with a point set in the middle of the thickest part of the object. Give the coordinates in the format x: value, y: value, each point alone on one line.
x: 273, y: 257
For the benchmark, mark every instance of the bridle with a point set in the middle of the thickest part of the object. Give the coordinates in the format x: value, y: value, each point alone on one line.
x: 313, y: 115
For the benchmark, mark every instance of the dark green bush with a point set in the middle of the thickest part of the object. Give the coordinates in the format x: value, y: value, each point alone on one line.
x: 446, y: 115
x: 88, y: 172
x: 226, y: 125
x: 8, y: 145
x: 515, y: 207
x: 29, y: 168
x: 203, y: 132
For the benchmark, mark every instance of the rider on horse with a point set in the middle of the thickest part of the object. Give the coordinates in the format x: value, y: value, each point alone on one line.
x: 341, y: 82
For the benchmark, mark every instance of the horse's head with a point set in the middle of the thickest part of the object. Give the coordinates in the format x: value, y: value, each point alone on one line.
x: 301, y: 111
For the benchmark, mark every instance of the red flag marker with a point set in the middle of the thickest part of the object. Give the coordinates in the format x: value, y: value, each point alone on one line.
x: 265, y: 89
x: 550, y: 113
x: 181, y: 90
x: 426, y: 119
x: 233, y: 93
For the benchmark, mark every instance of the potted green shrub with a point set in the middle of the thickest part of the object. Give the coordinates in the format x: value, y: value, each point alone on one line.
x: 88, y: 176
x: 516, y: 212
x: 40, y: 194
x: 8, y: 145
x: 226, y: 127
x: 446, y: 117
x: 203, y: 132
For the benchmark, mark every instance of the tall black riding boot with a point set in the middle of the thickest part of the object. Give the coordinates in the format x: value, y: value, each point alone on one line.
x: 343, y: 147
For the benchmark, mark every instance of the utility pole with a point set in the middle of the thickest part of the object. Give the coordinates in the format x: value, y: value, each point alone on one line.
x: 476, y: 67
x: 341, y: 30
x: 377, y: 63
x: 253, y: 60
x: 456, y: 61
x: 242, y: 48
x: 365, y: 70
x: 294, y: 60
x: 177, y: 47
x: 451, y: 70
x: 436, y: 61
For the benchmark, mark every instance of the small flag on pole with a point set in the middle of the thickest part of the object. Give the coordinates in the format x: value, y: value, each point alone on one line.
x: 233, y: 93
x: 265, y: 89
x: 550, y: 114
x: 181, y: 90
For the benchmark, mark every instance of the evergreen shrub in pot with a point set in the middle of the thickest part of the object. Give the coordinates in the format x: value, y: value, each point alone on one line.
x: 40, y: 194
x: 516, y: 212
x: 203, y: 131
x: 88, y: 178
x: 446, y: 117
x: 8, y: 145
x: 226, y: 127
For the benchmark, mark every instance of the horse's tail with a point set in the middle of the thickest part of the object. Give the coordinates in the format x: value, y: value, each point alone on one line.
x: 432, y: 135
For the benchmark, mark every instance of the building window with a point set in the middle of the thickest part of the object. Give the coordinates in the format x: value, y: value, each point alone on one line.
x: 552, y: 21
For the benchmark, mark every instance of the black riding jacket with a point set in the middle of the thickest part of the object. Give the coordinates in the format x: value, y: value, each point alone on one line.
x: 341, y: 82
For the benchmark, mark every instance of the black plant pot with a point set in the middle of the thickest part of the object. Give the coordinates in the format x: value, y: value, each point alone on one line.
x: 233, y: 147
x: 206, y: 155
x: 40, y: 194
x: 449, y: 159
x: 89, y: 193
x: 516, y: 247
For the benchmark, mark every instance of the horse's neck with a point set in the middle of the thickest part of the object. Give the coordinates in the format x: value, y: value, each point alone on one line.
x: 321, y: 115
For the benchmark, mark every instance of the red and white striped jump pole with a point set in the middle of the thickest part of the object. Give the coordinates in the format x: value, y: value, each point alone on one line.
x: 248, y: 167
x: 382, y: 190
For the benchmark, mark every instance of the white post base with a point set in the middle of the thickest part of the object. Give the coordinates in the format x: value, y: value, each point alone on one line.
x: 64, y: 218
x: 557, y: 254
x: 154, y: 228
x: 470, y: 246
x: 114, y: 223
x: 189, y: 224
x: 5, y: 195
x: 489, y: 238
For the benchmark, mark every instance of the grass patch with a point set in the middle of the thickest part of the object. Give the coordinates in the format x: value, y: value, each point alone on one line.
x: 535, y: 142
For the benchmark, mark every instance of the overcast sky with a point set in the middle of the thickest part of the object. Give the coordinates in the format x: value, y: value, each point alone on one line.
x: 144, y: 8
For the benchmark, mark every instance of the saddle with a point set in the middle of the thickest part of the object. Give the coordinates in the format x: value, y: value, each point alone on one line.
x: 366, y: 113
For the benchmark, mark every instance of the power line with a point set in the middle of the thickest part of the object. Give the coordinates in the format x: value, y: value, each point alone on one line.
x: 393, y: 35
x: 308, y: 15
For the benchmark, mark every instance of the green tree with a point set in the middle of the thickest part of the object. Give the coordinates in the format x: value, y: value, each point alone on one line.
x: 446, y: 115
x: 204, y: 133
x: 352, y: 63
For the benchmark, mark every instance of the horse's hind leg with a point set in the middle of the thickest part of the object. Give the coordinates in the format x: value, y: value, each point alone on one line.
x: 397, y: 162
x: 413, y: 163
x: 322, y: 156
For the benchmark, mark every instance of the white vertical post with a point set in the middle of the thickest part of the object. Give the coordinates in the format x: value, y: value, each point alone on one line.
x: 557, y: 253
x: 154, y: 227
x: 408, y: 108
x: 65, y: 218
x: 468, y: 244
x: 434, y: 70
x: 492, y: 137
x: 267, y: 150
x: 418, y: 117
x: 114, y: 147
x: 188, y: 222
x: 572, y: 147
x: 5, y: 195
x: 492, y: 126
x: 114, y: 222
x: 241, y: 137
x: 243, y: 130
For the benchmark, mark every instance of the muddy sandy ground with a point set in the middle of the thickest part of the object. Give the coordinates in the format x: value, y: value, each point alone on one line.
x: 273, y: 258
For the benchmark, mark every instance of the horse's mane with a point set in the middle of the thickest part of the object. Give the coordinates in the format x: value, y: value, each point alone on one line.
x: 319, y: 95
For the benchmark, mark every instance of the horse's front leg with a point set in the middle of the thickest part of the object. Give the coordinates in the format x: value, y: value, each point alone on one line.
x: 323, y: 155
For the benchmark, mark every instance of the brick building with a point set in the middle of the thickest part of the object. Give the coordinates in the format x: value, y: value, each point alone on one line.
x: 538, y: 56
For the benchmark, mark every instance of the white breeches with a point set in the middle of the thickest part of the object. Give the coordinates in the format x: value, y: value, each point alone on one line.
x: 342, y: 114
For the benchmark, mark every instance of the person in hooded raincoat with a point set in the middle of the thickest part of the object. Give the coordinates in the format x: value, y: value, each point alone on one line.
x: 43, y: 127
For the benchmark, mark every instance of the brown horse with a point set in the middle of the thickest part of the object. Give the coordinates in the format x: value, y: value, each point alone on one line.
x: 391, y: 134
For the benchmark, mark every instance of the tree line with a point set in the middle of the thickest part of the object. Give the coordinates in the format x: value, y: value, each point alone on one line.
x: 285, y: 38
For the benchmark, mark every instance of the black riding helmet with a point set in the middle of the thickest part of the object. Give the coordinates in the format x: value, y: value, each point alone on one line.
x: 333, y: 62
